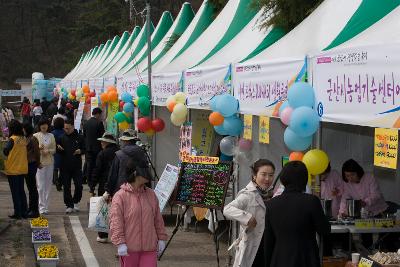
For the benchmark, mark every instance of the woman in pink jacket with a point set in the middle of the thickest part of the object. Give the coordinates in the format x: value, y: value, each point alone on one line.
x: 137, y: 227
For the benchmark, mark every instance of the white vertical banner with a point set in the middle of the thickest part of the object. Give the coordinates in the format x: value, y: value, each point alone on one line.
x: 79, y: 115
x: 259, y: 87
x: 166, y: 185
x: 359, y: 85
x: 164, y: 85
x: 92, y: 82
x: 98, y: 86
x: 109, y: 81
x: 84, y: 82
x: 202, y: 84
x: 130, y: 83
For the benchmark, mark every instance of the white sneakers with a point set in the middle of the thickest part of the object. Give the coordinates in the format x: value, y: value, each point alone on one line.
x: 102, y: 240
x: 76, y: 207
x: 69, y: 210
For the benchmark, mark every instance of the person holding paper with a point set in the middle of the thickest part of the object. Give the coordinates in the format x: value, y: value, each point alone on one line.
x: 249, y: 210
x: 137, y: 227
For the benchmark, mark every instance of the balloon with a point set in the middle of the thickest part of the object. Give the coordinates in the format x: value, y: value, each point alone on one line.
x: 104, y: 98
x: 220, y: 130
x: 120, y: 117
x: 295, y: 142
x: 73, y: 92
x: 227, y: 145
x: 224, y: 157
x: 158, y: 125
x: 301, y: 94
x: 111, y: 88
x: 227, y: 105
x: 180, y: 111
x: 316, y: 161
x: 171, y: 106
x: 180, y: 97
x: 244, y: 145
x: 88, y: 101
x: 136, y: 102
x: 170, y: 99
x: 92, y: 94
x: 143, y: 102
x: 233, y: 125
x: 70, y: 96
x: 123, y: 125
x: 213, y: 102
x: 143, y: 90
x: 87, y: 95
x: 304, y: 121
x: 284, y: 105
x: 144, y: 124
x: 296, y: 156
x: 69, y: 105
x: 216, y: 118
x: 177, y: 121
x: 128, y: 107
x: 285, y: 115
x: 121, y: 104
x: 112, y: 96
x: 150, y: 132
x: 145, y: 112
x: 126, y: 97
x: 86, y: 89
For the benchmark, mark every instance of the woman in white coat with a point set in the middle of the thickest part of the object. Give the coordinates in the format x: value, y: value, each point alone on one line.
x: 249, y: 210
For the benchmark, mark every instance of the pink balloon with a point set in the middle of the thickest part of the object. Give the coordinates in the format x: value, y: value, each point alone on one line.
x: 245, y: 145
x: 285, y: 115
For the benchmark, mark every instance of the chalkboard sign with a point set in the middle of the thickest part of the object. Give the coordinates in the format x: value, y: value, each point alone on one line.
x: 203, y: 185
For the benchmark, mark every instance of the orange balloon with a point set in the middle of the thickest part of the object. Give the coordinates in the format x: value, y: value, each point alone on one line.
x: 397, y: 123
x: 150, y: 132
x: 104, y: 98
x: 86, y: 89
x: 171, y: 106
x: 111, y: 88
x: 296, y: 156
x: 112, y: 96
x: 216, y: 118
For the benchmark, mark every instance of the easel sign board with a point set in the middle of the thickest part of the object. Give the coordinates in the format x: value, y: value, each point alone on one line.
x: 203, y: 185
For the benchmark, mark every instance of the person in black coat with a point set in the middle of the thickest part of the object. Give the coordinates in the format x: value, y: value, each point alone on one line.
x: 71, y: 148
x: 92, y: 130
x: 292, y: 221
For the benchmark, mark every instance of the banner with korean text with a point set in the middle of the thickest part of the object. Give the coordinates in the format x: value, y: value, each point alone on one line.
x: 92, y: 82
x: 109, y: 81
x: 164, y: 85
x: 130, y: 83
x: 359, y: 85
x: 260, y: 87
x: 98, y: 86
x: 202, y: 84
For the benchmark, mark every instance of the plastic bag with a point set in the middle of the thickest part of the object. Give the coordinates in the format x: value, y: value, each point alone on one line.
x: 98, y: 215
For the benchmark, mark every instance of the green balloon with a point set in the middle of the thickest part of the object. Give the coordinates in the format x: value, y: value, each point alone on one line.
x: 120, y: 117
x: 143, y: 102
x: 129, y: 120
x: 145, y: 112
x: 143, y: 90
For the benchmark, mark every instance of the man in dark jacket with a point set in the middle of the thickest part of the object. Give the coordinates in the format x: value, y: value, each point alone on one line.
x: 71, y: 148
x: 92, y: 130
x: 103, y: 165
x: 292, y: 221
x: 51, y: 109
x: 129, y: 150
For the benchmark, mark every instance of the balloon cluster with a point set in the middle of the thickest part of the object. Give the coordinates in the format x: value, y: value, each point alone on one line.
x: 143, y: 100
x: 224, y: 117
x: 240, y: 151
x: 297, y: 112
x: 150, y: 127
x: 176, y: 105
x: 111, y: 95
x: 78, y: 94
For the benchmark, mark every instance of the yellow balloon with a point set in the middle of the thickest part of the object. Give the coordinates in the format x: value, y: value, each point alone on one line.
x: 136, y: 102
x: 170, y: 99
x: 180, y: 111
x: 180, y: 97
x: 316, y: 161
x: 123, y: 125
x: 176, y: 120
x: 150, y: 132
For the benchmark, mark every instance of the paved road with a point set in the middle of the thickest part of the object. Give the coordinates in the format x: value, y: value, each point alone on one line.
x: 186, y: 249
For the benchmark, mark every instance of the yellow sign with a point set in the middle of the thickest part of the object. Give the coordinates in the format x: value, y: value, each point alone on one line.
x: 203, y: 133
x: 198, y: 159
x: 248, y: 127
x: 264, y: 130
x: 365, y: 263
x: 386, y: 148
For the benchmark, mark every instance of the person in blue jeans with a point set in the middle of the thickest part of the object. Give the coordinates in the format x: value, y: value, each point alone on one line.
x: 58, y: 132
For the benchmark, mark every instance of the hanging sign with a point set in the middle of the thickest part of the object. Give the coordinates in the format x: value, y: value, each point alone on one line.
x: 130, y: 83
x: 185, y: 139
x: 98, y: 86
x: 112, y: 125
x: 166, y: 184
x: 79, y: 114
x: 165, y: 85
x: 203, y: 133
x: 264, y: 130
x: 248, y: 127
x: 109, y: 81
x: 386, y: 147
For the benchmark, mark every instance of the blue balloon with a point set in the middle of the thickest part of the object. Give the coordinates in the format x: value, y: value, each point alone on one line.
x: 213, y: 102
x: 220, y: 130
x: 227, y: 105
x: 295, y: 142
x: 126, y: 97
x: 301, y: 94
x: 304, y: 121
x: 128, y: 107
x: 224, y: 157
x: 284, y: 105
x: 233, y: 125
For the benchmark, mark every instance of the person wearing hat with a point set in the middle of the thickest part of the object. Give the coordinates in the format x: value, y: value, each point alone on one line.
x: 102, y: 168
x: 129, y: 150
x: 137, y: 226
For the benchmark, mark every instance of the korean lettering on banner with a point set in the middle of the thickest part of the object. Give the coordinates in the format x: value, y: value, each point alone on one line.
x: 359, y: 85
x: 186, y: 157
x: 109, y: 81
x: 202, y: 84
x: 92, y: 83
x: 166, y: 184
x: 248, y: 127
x: 165, y: 85
x: 264, y: 130
x: 203, y: 185
x: 112, y: 109
x: 185, y: 138
x: 260, y: 87
x: 203, y: 133
x: 129, y: 84
x: 386, y: 147
x: 79, y: 114
x: 98, y: 86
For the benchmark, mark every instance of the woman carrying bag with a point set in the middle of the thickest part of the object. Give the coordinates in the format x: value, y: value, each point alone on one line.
x: 249, y: 210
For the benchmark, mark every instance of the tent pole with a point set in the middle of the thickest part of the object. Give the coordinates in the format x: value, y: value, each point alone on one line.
x: 148, y: 28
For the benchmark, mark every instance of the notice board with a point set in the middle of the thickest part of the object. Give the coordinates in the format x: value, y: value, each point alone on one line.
x: 203, y: 185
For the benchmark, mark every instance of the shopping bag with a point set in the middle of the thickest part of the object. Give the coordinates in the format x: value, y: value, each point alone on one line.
x: 98, y: 215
